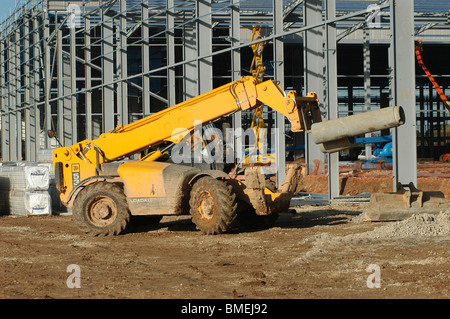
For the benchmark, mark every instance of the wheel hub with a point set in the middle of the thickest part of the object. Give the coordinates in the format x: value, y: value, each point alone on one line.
x: 102, y: 211
x: 206, y: 206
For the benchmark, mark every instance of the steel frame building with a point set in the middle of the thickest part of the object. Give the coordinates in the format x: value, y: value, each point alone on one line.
x: 80, y: 68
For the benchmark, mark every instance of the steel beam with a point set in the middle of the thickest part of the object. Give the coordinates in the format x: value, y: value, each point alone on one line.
x: 403, y: 91
x: 18, y: 113
x: 88, y: 75
x: 145, y: 51
x: 236, y: 69
x: 367, y: 86
x: 190, y: 70
x: 13, y: 96
x: 72, y: 118
x: 278, y: 56
x: 107, y: 72
x: 122, y: 53
x: 8, y: 121
x: 170, y: 39
x: 331, y: 93
x: 29, y: 117
x: 47, y: 80
x: 4, y: 99
x: 204, y: 45
x: 37, y: 85
x: 61, y: 92
x: 313, y: 68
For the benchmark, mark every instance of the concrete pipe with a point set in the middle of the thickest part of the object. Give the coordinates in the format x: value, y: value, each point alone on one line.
x: 338, y: 134
x: 337, y: 145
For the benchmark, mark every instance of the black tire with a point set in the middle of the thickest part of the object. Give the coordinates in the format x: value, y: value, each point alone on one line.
x: 212, y: 206
x: 101, y: 209
x: 249, y: 220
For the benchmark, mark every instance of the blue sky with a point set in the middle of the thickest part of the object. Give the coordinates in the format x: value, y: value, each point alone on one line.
x: 5, y: 5
x: 421, y: 5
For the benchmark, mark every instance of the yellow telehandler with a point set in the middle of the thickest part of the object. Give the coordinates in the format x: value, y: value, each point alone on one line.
x: 104, y: 188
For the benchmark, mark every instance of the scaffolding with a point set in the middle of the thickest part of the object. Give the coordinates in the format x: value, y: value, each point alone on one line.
x: 82, y: 67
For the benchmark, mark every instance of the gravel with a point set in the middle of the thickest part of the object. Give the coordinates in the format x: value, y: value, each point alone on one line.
x: 424, y: 225
x: 417, y: 226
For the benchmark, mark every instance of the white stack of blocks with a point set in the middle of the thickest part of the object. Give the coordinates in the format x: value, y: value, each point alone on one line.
x: 45, y: 157
x: 24, y: 189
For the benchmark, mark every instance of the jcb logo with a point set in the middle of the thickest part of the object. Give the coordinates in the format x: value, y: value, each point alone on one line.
x: 75, y: 174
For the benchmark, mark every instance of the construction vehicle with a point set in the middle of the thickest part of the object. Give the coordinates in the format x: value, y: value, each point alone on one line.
x: 445, y: 157
x: 380, y: 148
x: 103, y: 188
x: 381, y: 152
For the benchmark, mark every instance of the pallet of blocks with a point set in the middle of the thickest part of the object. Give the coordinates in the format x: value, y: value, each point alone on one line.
x: 24, y: 189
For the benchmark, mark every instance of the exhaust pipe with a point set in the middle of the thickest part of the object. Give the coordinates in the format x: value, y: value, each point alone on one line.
x: 339, y: 134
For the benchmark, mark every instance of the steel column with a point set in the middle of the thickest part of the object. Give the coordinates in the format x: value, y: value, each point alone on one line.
x: 367, y: 86
x: 403, y: 91
x: 313, y: 62
x: 145, y: 51
x: 13, y: 97
x: 88, y: 74
x: 48, y: 80
x: 107, y: 71
x: 278, y: 56
x: 190, y: 70
x: 331, y: 93
x: 170, y: 38
x: 37, y: 85
x: 7, y: 121
x: 122, y: 51
x: 72, y: 119
x: 60, y: 82
x: 18, y: 76
x: 29, y: 119
x: 4, y: 100
x: 236, y: 69
x: 204, y: 45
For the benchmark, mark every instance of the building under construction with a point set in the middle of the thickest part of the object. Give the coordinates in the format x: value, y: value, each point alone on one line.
x: 80, y: 68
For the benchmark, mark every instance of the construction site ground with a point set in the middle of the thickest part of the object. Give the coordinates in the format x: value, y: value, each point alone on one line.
x: 355, y: 179
x: 313, y: 251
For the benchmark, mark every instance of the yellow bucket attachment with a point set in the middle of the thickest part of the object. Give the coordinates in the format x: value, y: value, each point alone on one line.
x: 265, y: 200
x: 404, y: 203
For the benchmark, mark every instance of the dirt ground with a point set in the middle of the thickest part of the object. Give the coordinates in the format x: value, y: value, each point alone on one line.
x: 312, y: 252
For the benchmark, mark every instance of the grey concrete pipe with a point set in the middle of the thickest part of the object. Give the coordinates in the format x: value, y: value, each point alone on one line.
x: 339, y: 134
